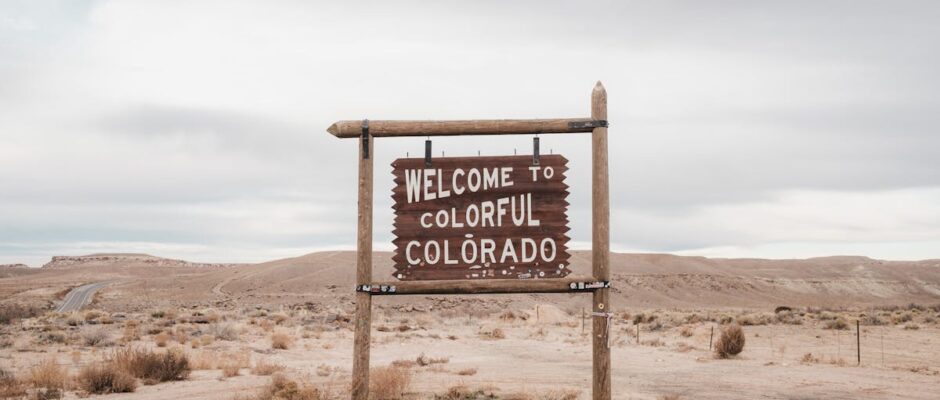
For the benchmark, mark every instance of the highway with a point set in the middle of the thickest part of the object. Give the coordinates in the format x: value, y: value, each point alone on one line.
x: 80, y: 296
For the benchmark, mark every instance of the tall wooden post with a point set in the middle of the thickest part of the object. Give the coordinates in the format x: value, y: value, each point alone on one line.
x: 600, y: 223
x: 360, y: 375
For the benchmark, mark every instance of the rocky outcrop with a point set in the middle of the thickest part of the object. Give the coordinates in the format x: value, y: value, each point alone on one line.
x: 143, y: 260
x: 9, y: 266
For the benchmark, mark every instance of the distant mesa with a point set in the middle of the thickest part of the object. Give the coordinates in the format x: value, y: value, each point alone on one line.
x: 10, y: 266
x: 129, y: 259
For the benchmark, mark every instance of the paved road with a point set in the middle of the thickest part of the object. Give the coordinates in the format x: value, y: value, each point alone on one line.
x: 80, y: 296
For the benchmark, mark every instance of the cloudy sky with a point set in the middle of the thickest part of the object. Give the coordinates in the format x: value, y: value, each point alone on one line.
x: 196, y: 129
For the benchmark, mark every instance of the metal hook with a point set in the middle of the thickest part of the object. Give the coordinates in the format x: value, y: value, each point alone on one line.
x: 427, y: 152
x: 535, y: 151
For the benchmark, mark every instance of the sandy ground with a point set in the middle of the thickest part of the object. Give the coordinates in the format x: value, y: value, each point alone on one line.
x: 541, y: 357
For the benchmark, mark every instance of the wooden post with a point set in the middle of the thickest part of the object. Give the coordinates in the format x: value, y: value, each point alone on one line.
x: 858, y: 342
x: 710, y: 338
x: 600, y: 224
x: 582, y: 320
x: 360, y: 375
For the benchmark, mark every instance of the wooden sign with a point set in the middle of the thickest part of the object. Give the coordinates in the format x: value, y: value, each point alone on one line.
x: 481, y: 218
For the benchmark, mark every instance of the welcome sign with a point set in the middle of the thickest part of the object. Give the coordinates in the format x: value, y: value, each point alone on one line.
x: 481, y: 218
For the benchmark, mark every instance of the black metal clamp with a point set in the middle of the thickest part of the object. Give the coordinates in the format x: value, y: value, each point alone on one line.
x: 427, y: 153
x: 365, y: 139
x: 535, y: 151
x: 375, y: 289
x: 588, y: 286
x: 594, y: 123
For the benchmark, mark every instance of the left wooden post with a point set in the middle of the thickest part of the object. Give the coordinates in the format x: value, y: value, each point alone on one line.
x: 360, y: 375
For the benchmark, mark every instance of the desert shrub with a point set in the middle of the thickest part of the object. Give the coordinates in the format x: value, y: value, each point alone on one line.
x: 96, y: 337
x: 93, y: 315
x: 280, y: 318
x: 53, y: 337
x: 389, y: 382
x: 643, y: 318
x: 48, y: 378
x: 223, y: 331
x: 902, y: 318
x: 424, y: 360
x: 731, y: 341
x: 494, y: 334
x: 283, y: 388
x: 10, y: 387
x: 204, y: 340
x: 230, y: 369
x: 161, y: 339
x: 809, y: 358
x: 6, y: 342
x: 871, y: 320
x: 467, y: 372
x: 911, y: 327
x: 105, y: 378
x: 265, y: 368
x: 12, y: 312
x: 751, y: 319
x: 152, y: 367
x: 461, y: 392
x: 788, y: 317
x: 281, y: 341
x: 838, y: 324
x: 655, y: 326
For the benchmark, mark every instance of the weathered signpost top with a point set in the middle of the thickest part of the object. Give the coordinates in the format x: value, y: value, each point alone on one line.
x: 473, y: 225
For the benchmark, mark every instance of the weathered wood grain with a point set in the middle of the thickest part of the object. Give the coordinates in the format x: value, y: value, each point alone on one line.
x: 548, y: 205
x: 360, y: 375
x: 600, y: 224
x: 353, y: 128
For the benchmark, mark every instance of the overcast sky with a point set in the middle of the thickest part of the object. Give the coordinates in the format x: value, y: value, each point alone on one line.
x: 196, y: 129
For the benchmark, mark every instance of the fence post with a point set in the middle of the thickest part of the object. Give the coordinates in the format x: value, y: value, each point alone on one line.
x: 710, y: 338
x: 858, y: 341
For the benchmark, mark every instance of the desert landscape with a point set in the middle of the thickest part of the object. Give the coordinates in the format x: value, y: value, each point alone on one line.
x: 136, y: 326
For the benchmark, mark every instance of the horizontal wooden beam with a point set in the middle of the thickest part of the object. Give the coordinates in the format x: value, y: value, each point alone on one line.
x: 485, y: 286
x: 353, y: 129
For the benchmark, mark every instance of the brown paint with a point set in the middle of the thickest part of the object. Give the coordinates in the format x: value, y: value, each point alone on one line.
x: 443, y: 238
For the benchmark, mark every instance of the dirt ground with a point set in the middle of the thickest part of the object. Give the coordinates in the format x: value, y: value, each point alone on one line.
x: 538, y: 353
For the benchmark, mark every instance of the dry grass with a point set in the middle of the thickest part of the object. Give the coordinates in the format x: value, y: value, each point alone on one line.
x: 105, y: 378
x: 424, y: 360
x: 687, y: 330
x: 838, y: 324
x: 48, y: 375
x: 161, y: 339
x: 230, y: 369
x: 223, y: 331
x: 462, y: 392
x: 467, y: 372
x: 283, y: 388
x: 10, y: 387
x: 96, y: 337
x: 809, y: 358
x: 265, y: 368
x: 391, y: 382
x: 494, y: 334
x: 281, y: 341
x: 152, y: 367
x: 730, y: 343
x: 13, y: 312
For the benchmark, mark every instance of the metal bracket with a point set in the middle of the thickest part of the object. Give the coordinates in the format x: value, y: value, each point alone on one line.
x: 588, y: 286
x: 365, y: 139
x: 375, y: 289
x: 596, y: 123
x: 535, y: 151
x: 427, y: 153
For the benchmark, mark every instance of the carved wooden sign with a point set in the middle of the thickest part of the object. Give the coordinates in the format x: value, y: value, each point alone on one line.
x: 481, y: 218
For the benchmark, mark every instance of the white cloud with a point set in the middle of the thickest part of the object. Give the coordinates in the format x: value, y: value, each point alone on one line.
x: 795, y: 128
